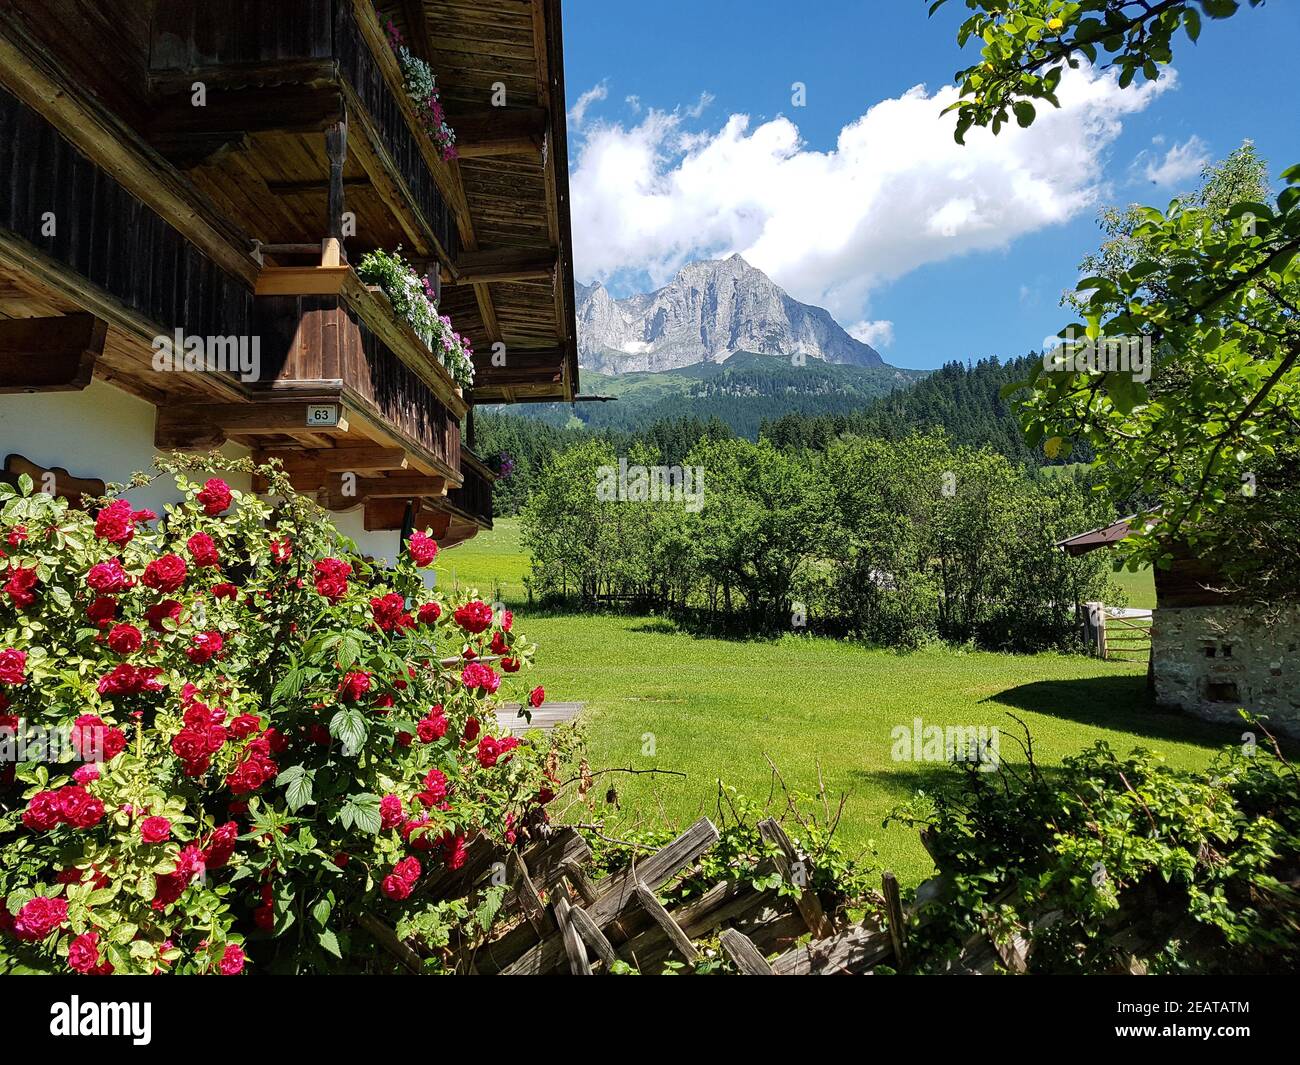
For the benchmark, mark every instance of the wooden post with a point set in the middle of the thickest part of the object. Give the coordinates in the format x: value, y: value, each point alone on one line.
x: 526, y: 894
x: 578, y: 961
x: 679, y: 939
x: 336, y: 149
x: 894, y: 912
x: 1097, y: 627
x: 810, y: 906
x: 594, y: 937
x: 742, y: 953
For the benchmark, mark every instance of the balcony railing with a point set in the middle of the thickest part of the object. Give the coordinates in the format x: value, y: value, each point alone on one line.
x: 321, y: 329
x: 323, y: 47
x: 473, y: 499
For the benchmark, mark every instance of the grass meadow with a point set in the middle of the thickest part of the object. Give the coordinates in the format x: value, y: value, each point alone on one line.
x: 718, y: 709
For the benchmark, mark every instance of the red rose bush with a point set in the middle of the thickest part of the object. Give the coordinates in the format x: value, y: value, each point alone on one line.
x: 254, y: 743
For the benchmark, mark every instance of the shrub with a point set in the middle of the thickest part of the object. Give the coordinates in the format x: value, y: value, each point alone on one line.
x: 263, y: 745
x: 1111, y: 864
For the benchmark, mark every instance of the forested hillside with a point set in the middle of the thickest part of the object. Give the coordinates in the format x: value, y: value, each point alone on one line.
x: 806, y: 407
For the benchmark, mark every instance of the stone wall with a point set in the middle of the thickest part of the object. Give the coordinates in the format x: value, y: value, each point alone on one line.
x: 1214, y: 660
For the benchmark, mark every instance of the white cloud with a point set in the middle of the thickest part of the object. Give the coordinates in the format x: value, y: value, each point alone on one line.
x: 879, y: 334
x: 1180, y: 163
x: 896, y: 192
x: 634, y: 102
x: 701, y: 105
x: 578, y: 112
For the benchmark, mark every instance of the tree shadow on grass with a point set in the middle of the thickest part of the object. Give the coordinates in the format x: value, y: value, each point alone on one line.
x: 1121, y: 703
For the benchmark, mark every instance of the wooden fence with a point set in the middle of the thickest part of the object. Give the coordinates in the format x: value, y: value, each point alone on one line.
x: 1121, y: 635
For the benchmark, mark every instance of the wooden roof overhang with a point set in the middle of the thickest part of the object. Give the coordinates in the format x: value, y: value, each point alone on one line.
x: 511, y: 289
x: 292, y: 89
x: 117, y: 272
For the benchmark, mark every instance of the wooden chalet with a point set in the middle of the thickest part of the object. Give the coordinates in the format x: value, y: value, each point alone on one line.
x: 215, y: 169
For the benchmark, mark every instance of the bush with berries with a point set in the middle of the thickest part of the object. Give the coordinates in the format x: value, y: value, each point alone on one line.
x: 228, y: 743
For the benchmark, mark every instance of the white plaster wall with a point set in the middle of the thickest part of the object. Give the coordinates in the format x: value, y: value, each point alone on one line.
x: 106, y: 433
x: 100, y: 432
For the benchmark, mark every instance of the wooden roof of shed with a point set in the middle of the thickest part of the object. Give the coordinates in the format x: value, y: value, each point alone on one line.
x: 519, y: 201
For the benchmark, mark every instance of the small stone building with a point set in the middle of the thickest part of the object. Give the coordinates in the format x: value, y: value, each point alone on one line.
x: 1214, y: 652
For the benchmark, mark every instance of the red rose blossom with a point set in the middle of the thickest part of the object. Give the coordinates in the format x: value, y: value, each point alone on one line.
x: 165, y: 574
x: 215, y: 496
x: 204, y: 647
x: 95, y: 741
x: 124, y: 639
x: 476, y: 675
x: 474, y: 617
x: 232, y: 961
x: 116, y: 523
x: 83, y: 953
x: 429, y: 613
x: 19, y: 586
x: 102, y: 611
x: 164, y: 610
x: 79, y: 808
x: 39, y: 917
x: 395, y: 888
x: 225, y: 591
x: 536, y: 697
x: 13, y: 666
x: 422, y: 548
x: 353, y: 686
x: 387, y: 610
x: 332, y: 578
x: 127, y: 679
x: 109, y: 578
x: 390, y: 812
x: 432, y: 727
x: 155, y: 830
x: 203, y: 550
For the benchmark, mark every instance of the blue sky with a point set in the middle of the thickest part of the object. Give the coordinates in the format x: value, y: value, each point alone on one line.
x: 688, y: 145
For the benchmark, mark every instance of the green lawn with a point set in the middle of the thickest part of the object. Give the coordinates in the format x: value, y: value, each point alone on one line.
x: 491, y: 561
x: 715, y: 707
x: 1140, y: 587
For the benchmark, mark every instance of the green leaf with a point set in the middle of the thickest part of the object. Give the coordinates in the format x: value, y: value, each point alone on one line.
x: 349, y: 727
x: 298, y: 793
x: 361, y: 810
x: 1025, y: 113
x: 321, y: 912
x: 330, y: 942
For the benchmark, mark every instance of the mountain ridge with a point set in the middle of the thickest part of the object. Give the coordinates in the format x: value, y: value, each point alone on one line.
x: 709, y: 311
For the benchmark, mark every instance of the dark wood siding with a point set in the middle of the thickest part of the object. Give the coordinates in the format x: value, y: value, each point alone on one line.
x: 320, y: 338
x: 263, y: 37
x: 106, y: 235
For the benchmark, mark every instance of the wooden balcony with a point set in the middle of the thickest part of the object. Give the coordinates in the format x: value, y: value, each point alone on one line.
x: 305, y: 116
x: 472, y: 501
x: 325, y: 334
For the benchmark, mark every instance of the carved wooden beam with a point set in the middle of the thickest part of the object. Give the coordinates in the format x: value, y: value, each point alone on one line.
x: 503, y: 264
x: 200, y: 427
x: 50, y: 354
x: 362, y: 459
x: 493, y: 131
x: 383, y: 515
x: 43, y: 477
